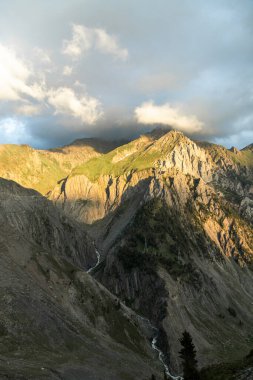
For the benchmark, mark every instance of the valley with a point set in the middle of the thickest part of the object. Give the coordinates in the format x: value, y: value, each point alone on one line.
x: 163, y: 226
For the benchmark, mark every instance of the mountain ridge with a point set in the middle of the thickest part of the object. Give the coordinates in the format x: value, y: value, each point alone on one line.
x: 211, y: 182
x: 172, y: 219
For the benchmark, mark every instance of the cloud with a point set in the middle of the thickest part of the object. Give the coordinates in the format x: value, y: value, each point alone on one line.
x: 190, y: 60
x: 29, y: 109
x: 67, y: 70
x: 149, y: 113
x: 65, y: 101
x: 31, y: 98
x: 85, y: 39
x: 81, y: 41
x: 108, y: 44
x: 42, y: 55
x: 154, y: 83
x: 14, y: 77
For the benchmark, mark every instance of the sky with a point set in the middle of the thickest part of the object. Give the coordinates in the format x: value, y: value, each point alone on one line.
x: 115, y: 69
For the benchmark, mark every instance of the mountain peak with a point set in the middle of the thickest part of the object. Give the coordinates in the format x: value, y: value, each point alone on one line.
x: 235, y: 150
x: 175, y: 134
x: 249, y: 147
x: 172, y: 138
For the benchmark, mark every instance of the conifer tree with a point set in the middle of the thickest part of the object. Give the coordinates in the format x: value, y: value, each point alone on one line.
x: 188, y: 356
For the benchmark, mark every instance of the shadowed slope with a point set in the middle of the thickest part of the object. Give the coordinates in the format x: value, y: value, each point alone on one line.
x: 56, y: 321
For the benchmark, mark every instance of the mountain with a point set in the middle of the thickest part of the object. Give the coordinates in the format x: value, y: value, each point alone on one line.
x: 41, y: 169
x: 234, y: 176
x: 248, y: 148
x: 102, y: 181
x: 56, y: 320
x: 170, y: 220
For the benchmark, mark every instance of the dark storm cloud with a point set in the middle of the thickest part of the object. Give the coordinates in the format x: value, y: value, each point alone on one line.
x: 189, y: 58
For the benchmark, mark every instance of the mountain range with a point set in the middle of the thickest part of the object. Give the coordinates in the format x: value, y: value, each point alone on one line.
x: 164, y: 227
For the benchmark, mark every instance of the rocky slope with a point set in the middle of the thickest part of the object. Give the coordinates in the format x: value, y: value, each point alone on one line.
x: 193, y: 267
x: 173, y: 220
x: 234, y: 176
x: 238, y: 370
x: 56, y: 321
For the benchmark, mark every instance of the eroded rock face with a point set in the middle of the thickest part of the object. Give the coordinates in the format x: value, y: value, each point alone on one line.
x: 186, y: 156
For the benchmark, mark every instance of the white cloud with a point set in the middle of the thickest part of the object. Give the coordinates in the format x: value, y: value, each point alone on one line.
x: 109, y: 44
x: 67, y: 70
x: 149, y: 113
x: 15, y: 76
x: 81, y: 41
x: 42, y: 55
x: 29, y: 109
x: 65, y: 101
x: 32, y: 98
x: 84, y: 39
x: 37, y: 91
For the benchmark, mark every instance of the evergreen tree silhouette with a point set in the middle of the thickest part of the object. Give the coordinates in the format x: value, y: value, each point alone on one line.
x: 188, y: 356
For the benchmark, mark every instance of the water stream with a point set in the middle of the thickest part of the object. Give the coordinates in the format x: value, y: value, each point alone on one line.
x: 161, y: 355
x: 97, y: 263
x: 154, y: 346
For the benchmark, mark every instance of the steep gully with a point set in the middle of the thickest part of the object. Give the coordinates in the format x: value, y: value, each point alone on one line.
x: 154, y: 345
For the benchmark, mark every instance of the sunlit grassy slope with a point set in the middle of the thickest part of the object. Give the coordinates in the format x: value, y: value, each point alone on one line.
x: 41, y: 169
x: 138, y: 155
x: 31, y: 168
